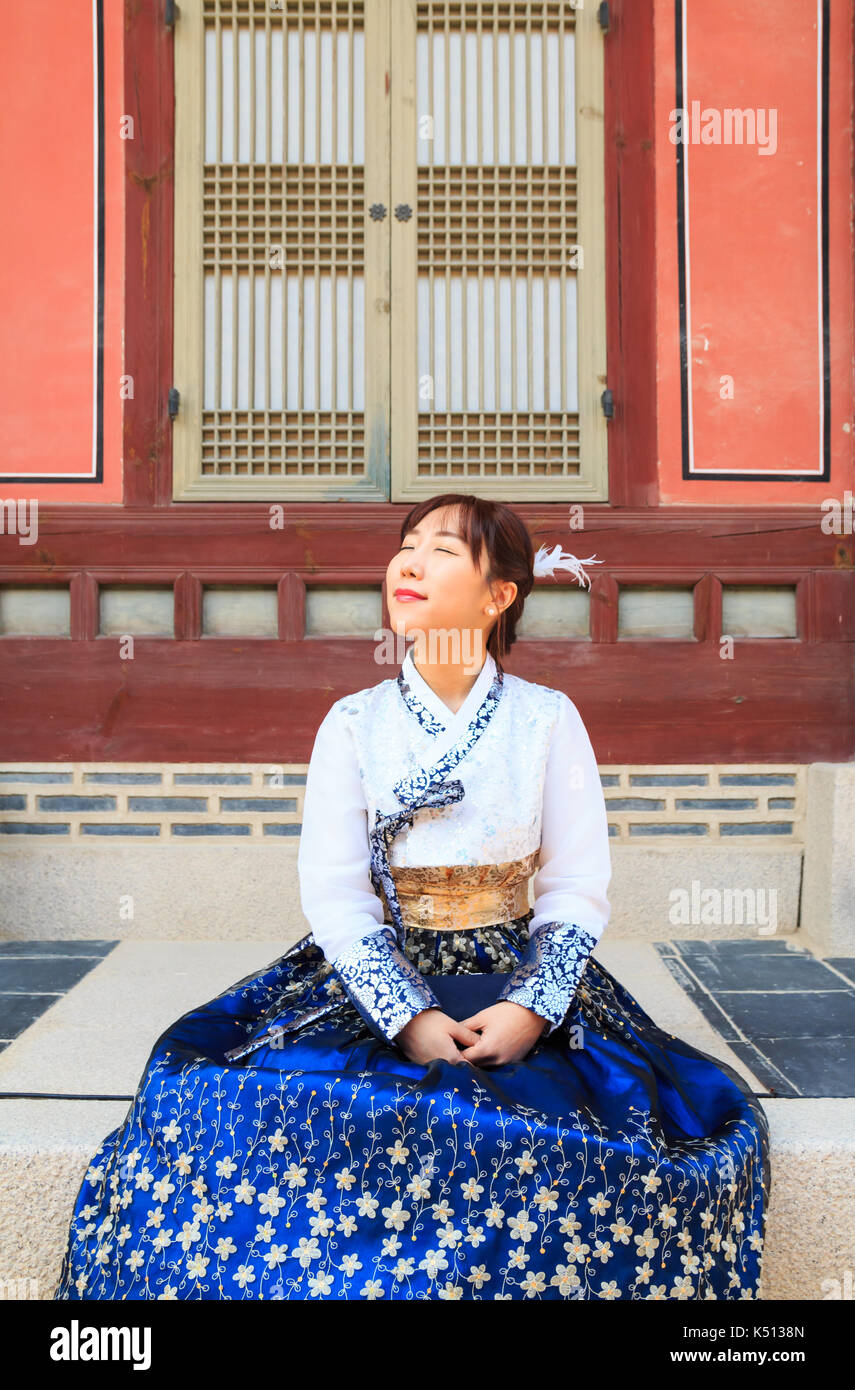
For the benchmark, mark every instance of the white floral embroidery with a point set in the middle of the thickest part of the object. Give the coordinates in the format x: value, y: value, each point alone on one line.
x: 548, y: 975
x: 382, y: 984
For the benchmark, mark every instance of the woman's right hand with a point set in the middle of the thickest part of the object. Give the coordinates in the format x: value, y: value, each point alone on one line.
x: 431, y: 1034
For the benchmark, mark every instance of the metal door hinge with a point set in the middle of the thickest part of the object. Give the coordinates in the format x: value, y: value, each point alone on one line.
x: 174, y: 398
x: 170, y: 13
x: 607, y: 401
x: 603, y: 16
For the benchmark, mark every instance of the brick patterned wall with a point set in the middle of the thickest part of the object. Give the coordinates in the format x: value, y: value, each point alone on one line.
x: 707, y: 802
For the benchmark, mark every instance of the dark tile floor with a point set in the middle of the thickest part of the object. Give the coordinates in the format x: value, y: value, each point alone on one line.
x: 790, y: 1017
x: 34, y: 974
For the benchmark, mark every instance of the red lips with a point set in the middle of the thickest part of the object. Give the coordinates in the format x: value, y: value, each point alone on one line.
x: 408, y: 593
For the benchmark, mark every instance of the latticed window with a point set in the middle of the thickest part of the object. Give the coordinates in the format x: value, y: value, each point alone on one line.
x: 389, y: 250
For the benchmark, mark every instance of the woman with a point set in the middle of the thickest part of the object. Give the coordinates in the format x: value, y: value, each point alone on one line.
x: 438, y: 1092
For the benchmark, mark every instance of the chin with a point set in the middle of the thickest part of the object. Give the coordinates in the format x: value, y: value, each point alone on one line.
x: 405, y: 623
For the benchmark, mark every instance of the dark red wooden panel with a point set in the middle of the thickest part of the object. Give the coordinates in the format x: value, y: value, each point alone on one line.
x: 631, y: 252
x: 329, y: 541
x: 222, y: 700
x: 149, y: 170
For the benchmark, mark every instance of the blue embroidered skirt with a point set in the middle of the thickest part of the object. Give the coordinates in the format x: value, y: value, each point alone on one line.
x: 276, y: 1148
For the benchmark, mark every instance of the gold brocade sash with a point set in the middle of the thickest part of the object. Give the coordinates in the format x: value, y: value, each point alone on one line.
x: 458, y: 897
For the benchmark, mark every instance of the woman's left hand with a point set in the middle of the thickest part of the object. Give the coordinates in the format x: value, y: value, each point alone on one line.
x: 508, y: 1033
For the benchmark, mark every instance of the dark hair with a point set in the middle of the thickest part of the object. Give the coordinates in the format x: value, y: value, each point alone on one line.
x: 510, y: 553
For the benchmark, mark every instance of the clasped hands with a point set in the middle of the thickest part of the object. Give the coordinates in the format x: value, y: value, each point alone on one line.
x: 504, y: 1032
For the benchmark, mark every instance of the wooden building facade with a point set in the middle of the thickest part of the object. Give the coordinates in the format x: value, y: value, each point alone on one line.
x: 281, y: 267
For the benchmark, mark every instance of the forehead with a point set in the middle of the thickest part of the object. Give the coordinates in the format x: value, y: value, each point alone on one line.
x: 441, y: 523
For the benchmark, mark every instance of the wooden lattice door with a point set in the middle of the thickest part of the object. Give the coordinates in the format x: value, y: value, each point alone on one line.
x: 389, y: 250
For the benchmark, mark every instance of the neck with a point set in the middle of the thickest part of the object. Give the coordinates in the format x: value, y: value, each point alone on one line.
x: 450, y: 680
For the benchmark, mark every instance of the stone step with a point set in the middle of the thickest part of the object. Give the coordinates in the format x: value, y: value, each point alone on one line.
x: 67, y: 1079
x: 243, y: 891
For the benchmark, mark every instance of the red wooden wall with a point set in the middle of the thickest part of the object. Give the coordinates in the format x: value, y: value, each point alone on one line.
x: 218, y: 699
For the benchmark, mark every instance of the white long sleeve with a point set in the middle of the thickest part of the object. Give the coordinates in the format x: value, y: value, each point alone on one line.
x: 571, y: 908
x: 333, y: 860
x: 574, y: 865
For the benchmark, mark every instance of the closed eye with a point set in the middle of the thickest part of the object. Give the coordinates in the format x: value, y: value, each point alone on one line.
x: 438, y: 547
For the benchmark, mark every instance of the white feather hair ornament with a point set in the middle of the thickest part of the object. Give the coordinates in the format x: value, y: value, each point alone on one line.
x: 546, y: 561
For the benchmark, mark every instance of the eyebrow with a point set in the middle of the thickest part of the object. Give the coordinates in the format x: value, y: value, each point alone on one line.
x: 414, y: 531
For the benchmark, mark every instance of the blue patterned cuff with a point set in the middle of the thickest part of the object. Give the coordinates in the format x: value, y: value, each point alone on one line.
x: 384, y: 986
x: 546, y: 977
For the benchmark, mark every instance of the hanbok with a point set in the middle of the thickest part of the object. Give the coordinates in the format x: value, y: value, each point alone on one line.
x: 280, y: 1144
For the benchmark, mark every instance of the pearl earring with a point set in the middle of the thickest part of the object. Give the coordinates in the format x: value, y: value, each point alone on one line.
x: 491, y: 610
